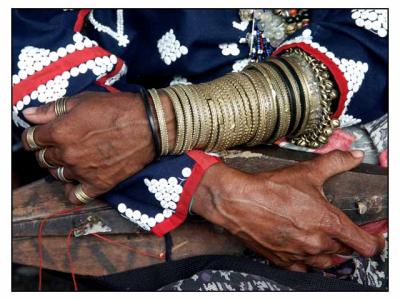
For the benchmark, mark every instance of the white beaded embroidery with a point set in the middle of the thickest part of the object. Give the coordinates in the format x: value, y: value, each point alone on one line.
x: 229, y: 49
x: 233, y: 49
x: 116, y: 77
x: 374, y: 20
x: 32, y: 60
x: 241, y: 26
x: 166, y: 191
x: 118, y: 35
x: 170, y: 48
x: 179, y: 80
x: 240, y: 64
x: 353, y: 71
x: 348, y: 120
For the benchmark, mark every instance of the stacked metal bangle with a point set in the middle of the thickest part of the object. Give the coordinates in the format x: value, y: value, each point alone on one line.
x: 318, y: 131
x: 162, y: 125
x: 287, y: 96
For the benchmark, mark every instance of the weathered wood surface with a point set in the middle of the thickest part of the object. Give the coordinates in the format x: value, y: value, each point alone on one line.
x: 366, y: 184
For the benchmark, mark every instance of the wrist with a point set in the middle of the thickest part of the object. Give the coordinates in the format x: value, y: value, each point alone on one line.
x: 210, y: 195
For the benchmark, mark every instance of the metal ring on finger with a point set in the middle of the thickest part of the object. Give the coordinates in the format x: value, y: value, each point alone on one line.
x: 81, y: 195
x: 42, y: 160
x: 60, y: 175
x: 60, y: 107
x: 31, y: 140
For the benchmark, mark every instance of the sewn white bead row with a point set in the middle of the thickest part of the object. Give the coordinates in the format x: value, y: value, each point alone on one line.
x: 57, y: 87
x: 136, y: 217
x: 240, y: 64
x: 119, y: 35
x: 374, y: 20
x: 353, y: 71
x: 179, y: 80
x: 116, y: 77
x: 32, y: 59
x: 233, y: 48
x: 229, y: 49
x: 167, y: 192
x: 170, y: 48
x: 142, y: 220
x: 240, y: 26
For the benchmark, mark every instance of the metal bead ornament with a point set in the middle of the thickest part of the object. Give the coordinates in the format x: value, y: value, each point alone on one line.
x: 270, y: 28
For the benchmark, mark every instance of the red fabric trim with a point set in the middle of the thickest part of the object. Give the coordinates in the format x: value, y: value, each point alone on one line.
x: 333, y: 68
x: 339, y: 140
x: 80, y: 19
x: 114, y: 72
x: 109, y: 88
x: 203, y: 162
x: 65, y: 63
x: 102, y: 81
x: 203, y: 159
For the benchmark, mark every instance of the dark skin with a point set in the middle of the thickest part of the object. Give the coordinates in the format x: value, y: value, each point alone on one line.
x: 283, y: 214
x: 100, y: 142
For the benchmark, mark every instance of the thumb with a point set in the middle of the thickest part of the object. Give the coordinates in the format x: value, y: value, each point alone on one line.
x: 45, y: 113
x: 335, y: 162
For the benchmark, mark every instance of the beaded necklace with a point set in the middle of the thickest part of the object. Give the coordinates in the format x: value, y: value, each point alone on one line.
x: 270, y: 28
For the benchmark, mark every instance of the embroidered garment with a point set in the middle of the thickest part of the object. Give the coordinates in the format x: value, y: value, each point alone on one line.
x: 62, y: 53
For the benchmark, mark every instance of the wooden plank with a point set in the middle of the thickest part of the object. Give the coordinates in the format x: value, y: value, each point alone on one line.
x: 92, y: 256
x: 366, y: 185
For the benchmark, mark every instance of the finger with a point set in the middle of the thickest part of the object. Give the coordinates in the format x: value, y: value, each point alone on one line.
x: 42, y: 136
x: 297, y: 267
x: 46, y: 113
x: 355, y: 237
x: 323, y: 244
x: 319, y: 261
x: 66, y: 172
x: 333, y: 163
x: 340, y: 250
x: 51, y: 156
x: 89, y: 190
x: 69, y: 188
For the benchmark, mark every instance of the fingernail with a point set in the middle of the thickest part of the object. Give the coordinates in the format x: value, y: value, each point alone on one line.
x: 29, y: 111
x: 357, y: 153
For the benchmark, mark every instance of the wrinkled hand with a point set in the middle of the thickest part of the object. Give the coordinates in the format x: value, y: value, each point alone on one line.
x: 284, y: 214
x: 103, y: 139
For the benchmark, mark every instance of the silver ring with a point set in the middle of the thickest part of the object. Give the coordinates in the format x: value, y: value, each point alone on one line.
x: 60, y: 107
x: 42, y: 160
x: 60, y: 175
x: 31, y: 140
x: 81, y: 195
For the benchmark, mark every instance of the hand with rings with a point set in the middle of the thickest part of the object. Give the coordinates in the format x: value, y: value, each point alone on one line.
x: 94, y: 139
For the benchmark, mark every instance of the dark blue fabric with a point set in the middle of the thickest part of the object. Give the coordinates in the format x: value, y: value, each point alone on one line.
x: 201, y: 31
x: 336, y: 30
x: 135, y: 193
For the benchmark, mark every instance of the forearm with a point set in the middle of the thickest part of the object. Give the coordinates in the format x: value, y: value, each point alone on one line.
x: 208, y: 195
x: 219, y: 185
x: 286, y: 97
